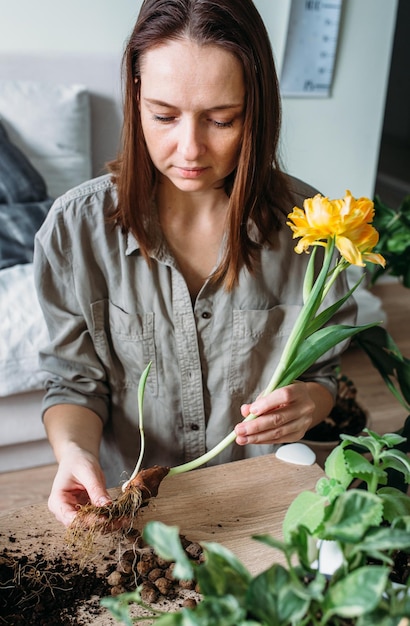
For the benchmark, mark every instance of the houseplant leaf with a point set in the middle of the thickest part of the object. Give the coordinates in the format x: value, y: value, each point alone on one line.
x: 395, y: 503
x: 351, y: 515
x: 385, y: 356
x: 305, y: 510
x: 272, y: 597
x: 356, y: 594
x: 222, y: 573
x: 166, y: 542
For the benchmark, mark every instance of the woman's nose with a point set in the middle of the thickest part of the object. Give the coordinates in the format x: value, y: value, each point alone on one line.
x: 191, y: 141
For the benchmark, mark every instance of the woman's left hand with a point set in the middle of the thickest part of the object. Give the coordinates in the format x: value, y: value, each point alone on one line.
x: 284, y: 415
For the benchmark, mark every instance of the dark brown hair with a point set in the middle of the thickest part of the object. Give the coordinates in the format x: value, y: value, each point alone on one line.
x: 257, y: 185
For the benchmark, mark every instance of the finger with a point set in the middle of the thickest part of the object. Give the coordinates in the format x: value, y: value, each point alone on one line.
x: 271, y: 429
x: 98, y: 495
x: 245, y: 410
x: 63, y: 512
x: 271, y: 402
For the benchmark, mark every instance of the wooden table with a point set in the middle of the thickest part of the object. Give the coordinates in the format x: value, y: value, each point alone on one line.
x: 225, y: 504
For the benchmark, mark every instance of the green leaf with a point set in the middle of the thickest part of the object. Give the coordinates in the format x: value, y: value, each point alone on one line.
x: 324, y: 316
x: 329, y: 488
x: 300, y: 542
x: 222, y: 573
x: 166, y: 542
x: 307, y: 509
x: 398, y: 460
x: 362, y: 468
x: 368, y: 442
x: 222, y: 611
x: 272, y: 542
x: 395, y: 503
x: 170, y: 619
x: 383, y: 539
x: 402, y: 522
x: 272, y: 597
x: 392, y: 440
x: 305, y: 545
x: 356, y: 594
x: 352, y: 514
x: 336, y: 468
x: 386, y: 357
x: 119, y: 606
x: 313, y: 347
x: 380, y: 618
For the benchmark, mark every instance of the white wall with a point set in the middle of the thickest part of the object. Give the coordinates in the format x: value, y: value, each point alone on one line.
x: 73, y: 27
x: 333, y: 143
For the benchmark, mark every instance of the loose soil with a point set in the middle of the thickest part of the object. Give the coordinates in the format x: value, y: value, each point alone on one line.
x: 36, y: 589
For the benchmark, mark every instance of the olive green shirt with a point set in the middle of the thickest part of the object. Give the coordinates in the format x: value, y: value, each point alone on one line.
x: 109, y: 314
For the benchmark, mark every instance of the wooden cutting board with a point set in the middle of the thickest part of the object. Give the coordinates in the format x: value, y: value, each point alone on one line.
x: 226, y: 504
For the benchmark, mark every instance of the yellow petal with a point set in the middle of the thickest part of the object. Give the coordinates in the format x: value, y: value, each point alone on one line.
x: 372, y: 257
x: 349, y: 251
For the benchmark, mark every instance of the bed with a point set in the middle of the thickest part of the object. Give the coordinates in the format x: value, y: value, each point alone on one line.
x: 60, y: 122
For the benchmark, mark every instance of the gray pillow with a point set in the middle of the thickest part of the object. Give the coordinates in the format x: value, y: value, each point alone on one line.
x: 19, y: 223
x: 19, y: 181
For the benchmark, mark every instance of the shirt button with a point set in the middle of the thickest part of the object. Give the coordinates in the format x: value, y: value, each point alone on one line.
x: 194, y: 427
x: 206, y: 315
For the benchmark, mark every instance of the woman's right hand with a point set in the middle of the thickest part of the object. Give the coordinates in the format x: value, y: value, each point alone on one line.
x: 75, y: 434
x: 79, y: 480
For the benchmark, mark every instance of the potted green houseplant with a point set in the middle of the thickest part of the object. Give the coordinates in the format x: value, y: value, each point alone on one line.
x: 393, y: 226
x: 368, y: 525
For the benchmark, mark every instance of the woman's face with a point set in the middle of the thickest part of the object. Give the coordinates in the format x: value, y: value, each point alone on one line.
x: 192, y: 100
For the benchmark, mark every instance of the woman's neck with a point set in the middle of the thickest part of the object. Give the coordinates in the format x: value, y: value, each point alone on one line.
x: 194, y: 226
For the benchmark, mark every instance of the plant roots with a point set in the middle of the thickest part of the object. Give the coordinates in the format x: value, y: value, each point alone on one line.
x: 119, y: 514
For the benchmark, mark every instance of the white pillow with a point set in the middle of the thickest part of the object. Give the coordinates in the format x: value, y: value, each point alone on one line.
x: 23, y: 331
x: 50, y: 123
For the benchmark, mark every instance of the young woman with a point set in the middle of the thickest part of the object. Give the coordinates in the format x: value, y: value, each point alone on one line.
x: 179, y: 256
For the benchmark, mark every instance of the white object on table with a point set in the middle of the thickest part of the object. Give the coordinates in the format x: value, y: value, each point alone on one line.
x: 297, y: 453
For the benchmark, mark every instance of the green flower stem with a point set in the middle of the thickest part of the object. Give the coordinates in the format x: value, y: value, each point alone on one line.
x: 309, y: 276
x: 208, y: 456
x: 307, y: 313
x: 141, y: 389
x: 296, y: 337
x: 339, y: 268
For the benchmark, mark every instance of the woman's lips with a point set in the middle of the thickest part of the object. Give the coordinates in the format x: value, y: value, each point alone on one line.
x: 191, y: 172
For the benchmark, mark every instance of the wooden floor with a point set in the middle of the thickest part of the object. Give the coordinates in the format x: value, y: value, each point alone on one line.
x: 32, y: 486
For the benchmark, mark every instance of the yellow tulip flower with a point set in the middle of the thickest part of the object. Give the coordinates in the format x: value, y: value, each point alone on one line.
x: 346, y: 220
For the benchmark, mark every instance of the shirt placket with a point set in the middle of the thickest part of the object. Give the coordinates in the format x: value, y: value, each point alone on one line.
x: 189, y: 365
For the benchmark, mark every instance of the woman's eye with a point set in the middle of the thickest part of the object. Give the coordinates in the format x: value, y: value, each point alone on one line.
x: 164, y: 119
x: 223, y: 124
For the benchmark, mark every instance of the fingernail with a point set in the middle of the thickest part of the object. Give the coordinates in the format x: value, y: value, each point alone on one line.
x: 103, y: 501
x: 241, y: 441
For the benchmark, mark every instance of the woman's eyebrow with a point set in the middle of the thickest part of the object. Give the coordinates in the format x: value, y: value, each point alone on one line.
x: 219, y: 107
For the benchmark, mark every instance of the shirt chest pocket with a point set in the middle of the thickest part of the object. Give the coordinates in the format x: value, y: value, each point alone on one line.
x: 125, y: 344
x: 258, y: 340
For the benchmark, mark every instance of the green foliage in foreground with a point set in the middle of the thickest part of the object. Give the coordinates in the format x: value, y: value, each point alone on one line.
x: 367, y: 525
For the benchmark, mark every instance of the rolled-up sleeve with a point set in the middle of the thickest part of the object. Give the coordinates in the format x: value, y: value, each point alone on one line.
x: 75, y: 374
